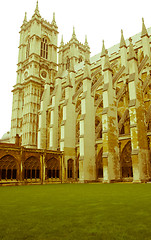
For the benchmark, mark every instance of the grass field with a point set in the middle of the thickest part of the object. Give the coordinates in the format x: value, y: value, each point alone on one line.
x: 76, y: 211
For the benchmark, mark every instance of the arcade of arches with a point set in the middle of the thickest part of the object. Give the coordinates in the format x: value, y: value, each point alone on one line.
x: 20, y: 165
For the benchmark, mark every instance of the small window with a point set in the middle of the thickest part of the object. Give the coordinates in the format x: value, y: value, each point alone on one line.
x: 44, y: 48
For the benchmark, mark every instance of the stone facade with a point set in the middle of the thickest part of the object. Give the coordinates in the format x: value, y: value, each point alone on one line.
x: 95, y: 110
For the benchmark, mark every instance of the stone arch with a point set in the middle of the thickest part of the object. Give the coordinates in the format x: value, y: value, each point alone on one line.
x: 99, y: 164
x: 126, y: 161
x: 70, y: 168
x: 9, y: 168
x: 46, y: 37
x: 31, y: 168
x: 52, y: 168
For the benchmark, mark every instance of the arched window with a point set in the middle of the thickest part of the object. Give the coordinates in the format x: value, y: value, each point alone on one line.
x: 44, y: 48
x: 68, y: 64
x: 28, y: 48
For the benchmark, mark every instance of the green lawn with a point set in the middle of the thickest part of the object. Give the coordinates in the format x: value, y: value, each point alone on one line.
x: 76, y: 211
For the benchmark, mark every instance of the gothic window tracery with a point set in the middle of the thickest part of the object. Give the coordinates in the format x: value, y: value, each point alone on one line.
x: 44, y: 48
x: 8, y: 168
x: 52, y: 168
x: 31, y: 168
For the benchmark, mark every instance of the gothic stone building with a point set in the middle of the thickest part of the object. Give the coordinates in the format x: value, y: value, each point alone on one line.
x: 95, y: 111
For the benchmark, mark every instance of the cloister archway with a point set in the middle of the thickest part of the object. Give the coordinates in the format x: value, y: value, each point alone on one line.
x: 9, y: 169
x: 52, y: 169
x: 31, y: 168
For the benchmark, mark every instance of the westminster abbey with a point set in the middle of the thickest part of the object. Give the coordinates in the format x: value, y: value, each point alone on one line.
x: 76, y: 118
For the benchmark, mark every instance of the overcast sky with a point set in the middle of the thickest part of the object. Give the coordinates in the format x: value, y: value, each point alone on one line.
x: 98, y: 19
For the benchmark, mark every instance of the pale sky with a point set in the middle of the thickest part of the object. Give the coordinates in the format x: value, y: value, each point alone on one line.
x: 98, y: 19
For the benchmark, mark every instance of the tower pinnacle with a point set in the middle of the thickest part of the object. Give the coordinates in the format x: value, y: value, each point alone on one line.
x: 122, y: 42
x: 86, y: 41
x: 144, y: 30
x: 37, y: 10
x: 131, y: 50
x: 103, y: 53
x: 25, y: 18
x: 62, y: 43
x: 73, y: 34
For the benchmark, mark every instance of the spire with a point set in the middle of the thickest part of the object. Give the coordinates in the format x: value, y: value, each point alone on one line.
x: 25, y: 18
x: 122, y: 42
x: 37, y: 10
x: 131, y: 50
x: 86, y: 41
x: 144, y: 30
x: 103, y: 53
x: 73, y: 34
x: 54, y: 20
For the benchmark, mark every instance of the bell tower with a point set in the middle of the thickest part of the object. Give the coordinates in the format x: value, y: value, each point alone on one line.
x: 37, y: 64
x: 72, y: 53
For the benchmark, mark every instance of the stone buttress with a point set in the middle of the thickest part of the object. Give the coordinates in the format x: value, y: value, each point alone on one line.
x: 87, y: 164
x: 140, y: 157
x: 111, y: 163
x: 68, y: 131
